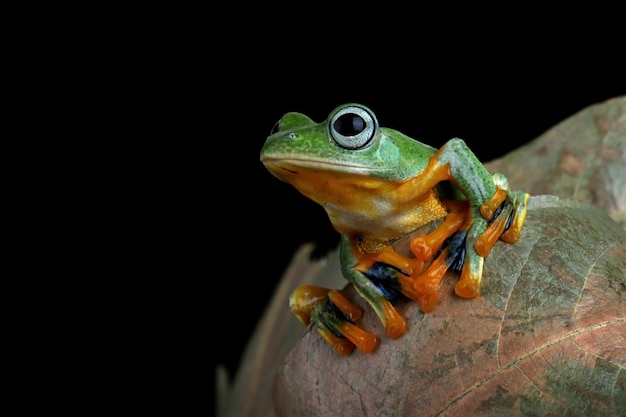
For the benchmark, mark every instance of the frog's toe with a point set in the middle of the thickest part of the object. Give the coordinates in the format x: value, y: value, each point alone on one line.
x: 336, y: 328
x: 499, y: 223
x: 353, y: 312
x: 488, y: 208
x: 395, y: 326
x: 468, y: 285
x: 333, y: 316
x: 366, y: 342
x: 341, y: 345
x: 506, y: 221
x: 512, y: 234
x: 427, y: 285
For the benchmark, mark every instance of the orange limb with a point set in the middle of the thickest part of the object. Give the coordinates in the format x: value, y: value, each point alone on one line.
x: 485, y: 242
x: 515, y: 229
x: 489, y: 207
x: 434, y: 173
x: 410, y: 266
x: 395, y: 326
x: 366, y: 342
x: 513, y: 233
x: 341, y: 345
x: 407, y: 287
x: 469, y: 283
x: 427, y: 285
x: 425, y: 247
x: 389, y: 256
x: 346, y: 307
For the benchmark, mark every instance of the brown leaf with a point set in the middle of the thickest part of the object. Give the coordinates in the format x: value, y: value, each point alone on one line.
x: 545, y: 337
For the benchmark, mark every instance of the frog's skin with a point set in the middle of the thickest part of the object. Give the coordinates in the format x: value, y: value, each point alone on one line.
x: 377, y: 186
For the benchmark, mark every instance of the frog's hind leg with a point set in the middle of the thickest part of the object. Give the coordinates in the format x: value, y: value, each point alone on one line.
x: 334, y: 317
x: 379, y: 285
x: 375, y: 276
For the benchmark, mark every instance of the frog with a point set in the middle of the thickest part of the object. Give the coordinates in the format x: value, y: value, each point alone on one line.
x: 378, y: 186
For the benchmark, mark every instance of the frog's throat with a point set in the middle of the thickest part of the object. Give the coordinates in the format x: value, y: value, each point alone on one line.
x: 376, y: 229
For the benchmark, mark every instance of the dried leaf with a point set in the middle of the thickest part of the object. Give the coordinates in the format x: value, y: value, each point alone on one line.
x: 545, y: 337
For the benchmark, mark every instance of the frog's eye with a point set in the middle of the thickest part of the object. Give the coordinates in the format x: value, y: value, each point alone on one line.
x: 353, y: 127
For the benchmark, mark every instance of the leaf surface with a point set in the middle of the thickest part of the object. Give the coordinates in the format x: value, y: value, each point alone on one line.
x: 546, y: 336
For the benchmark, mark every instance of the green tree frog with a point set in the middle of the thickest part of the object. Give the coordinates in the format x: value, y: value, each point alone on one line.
x: 377, y: 186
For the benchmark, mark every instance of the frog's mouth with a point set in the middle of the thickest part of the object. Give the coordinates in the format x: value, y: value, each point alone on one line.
x: 299, y: 166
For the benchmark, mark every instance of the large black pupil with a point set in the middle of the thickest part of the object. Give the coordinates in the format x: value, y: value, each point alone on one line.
x: 349, y: 124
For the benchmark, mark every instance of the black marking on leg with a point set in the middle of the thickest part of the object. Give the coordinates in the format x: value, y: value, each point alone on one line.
x: 498, y: 210
x: 504, y: 207
x: 455, y: 254
x: 330, y: 316
x: 384, y: 277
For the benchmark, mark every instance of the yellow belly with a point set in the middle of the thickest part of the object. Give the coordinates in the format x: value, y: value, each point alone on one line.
x: 379, y: 217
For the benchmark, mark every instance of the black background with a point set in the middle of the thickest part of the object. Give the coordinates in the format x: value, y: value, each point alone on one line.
x: 254, y: 223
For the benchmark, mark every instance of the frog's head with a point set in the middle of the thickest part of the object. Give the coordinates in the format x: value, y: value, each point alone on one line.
x: 351, y: 166
x: 348, y: 144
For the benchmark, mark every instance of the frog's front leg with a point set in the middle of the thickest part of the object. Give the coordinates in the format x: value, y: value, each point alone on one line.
x: 493, y: 212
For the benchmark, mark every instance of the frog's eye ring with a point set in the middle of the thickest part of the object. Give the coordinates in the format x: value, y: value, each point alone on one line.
x: 353, y: 127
